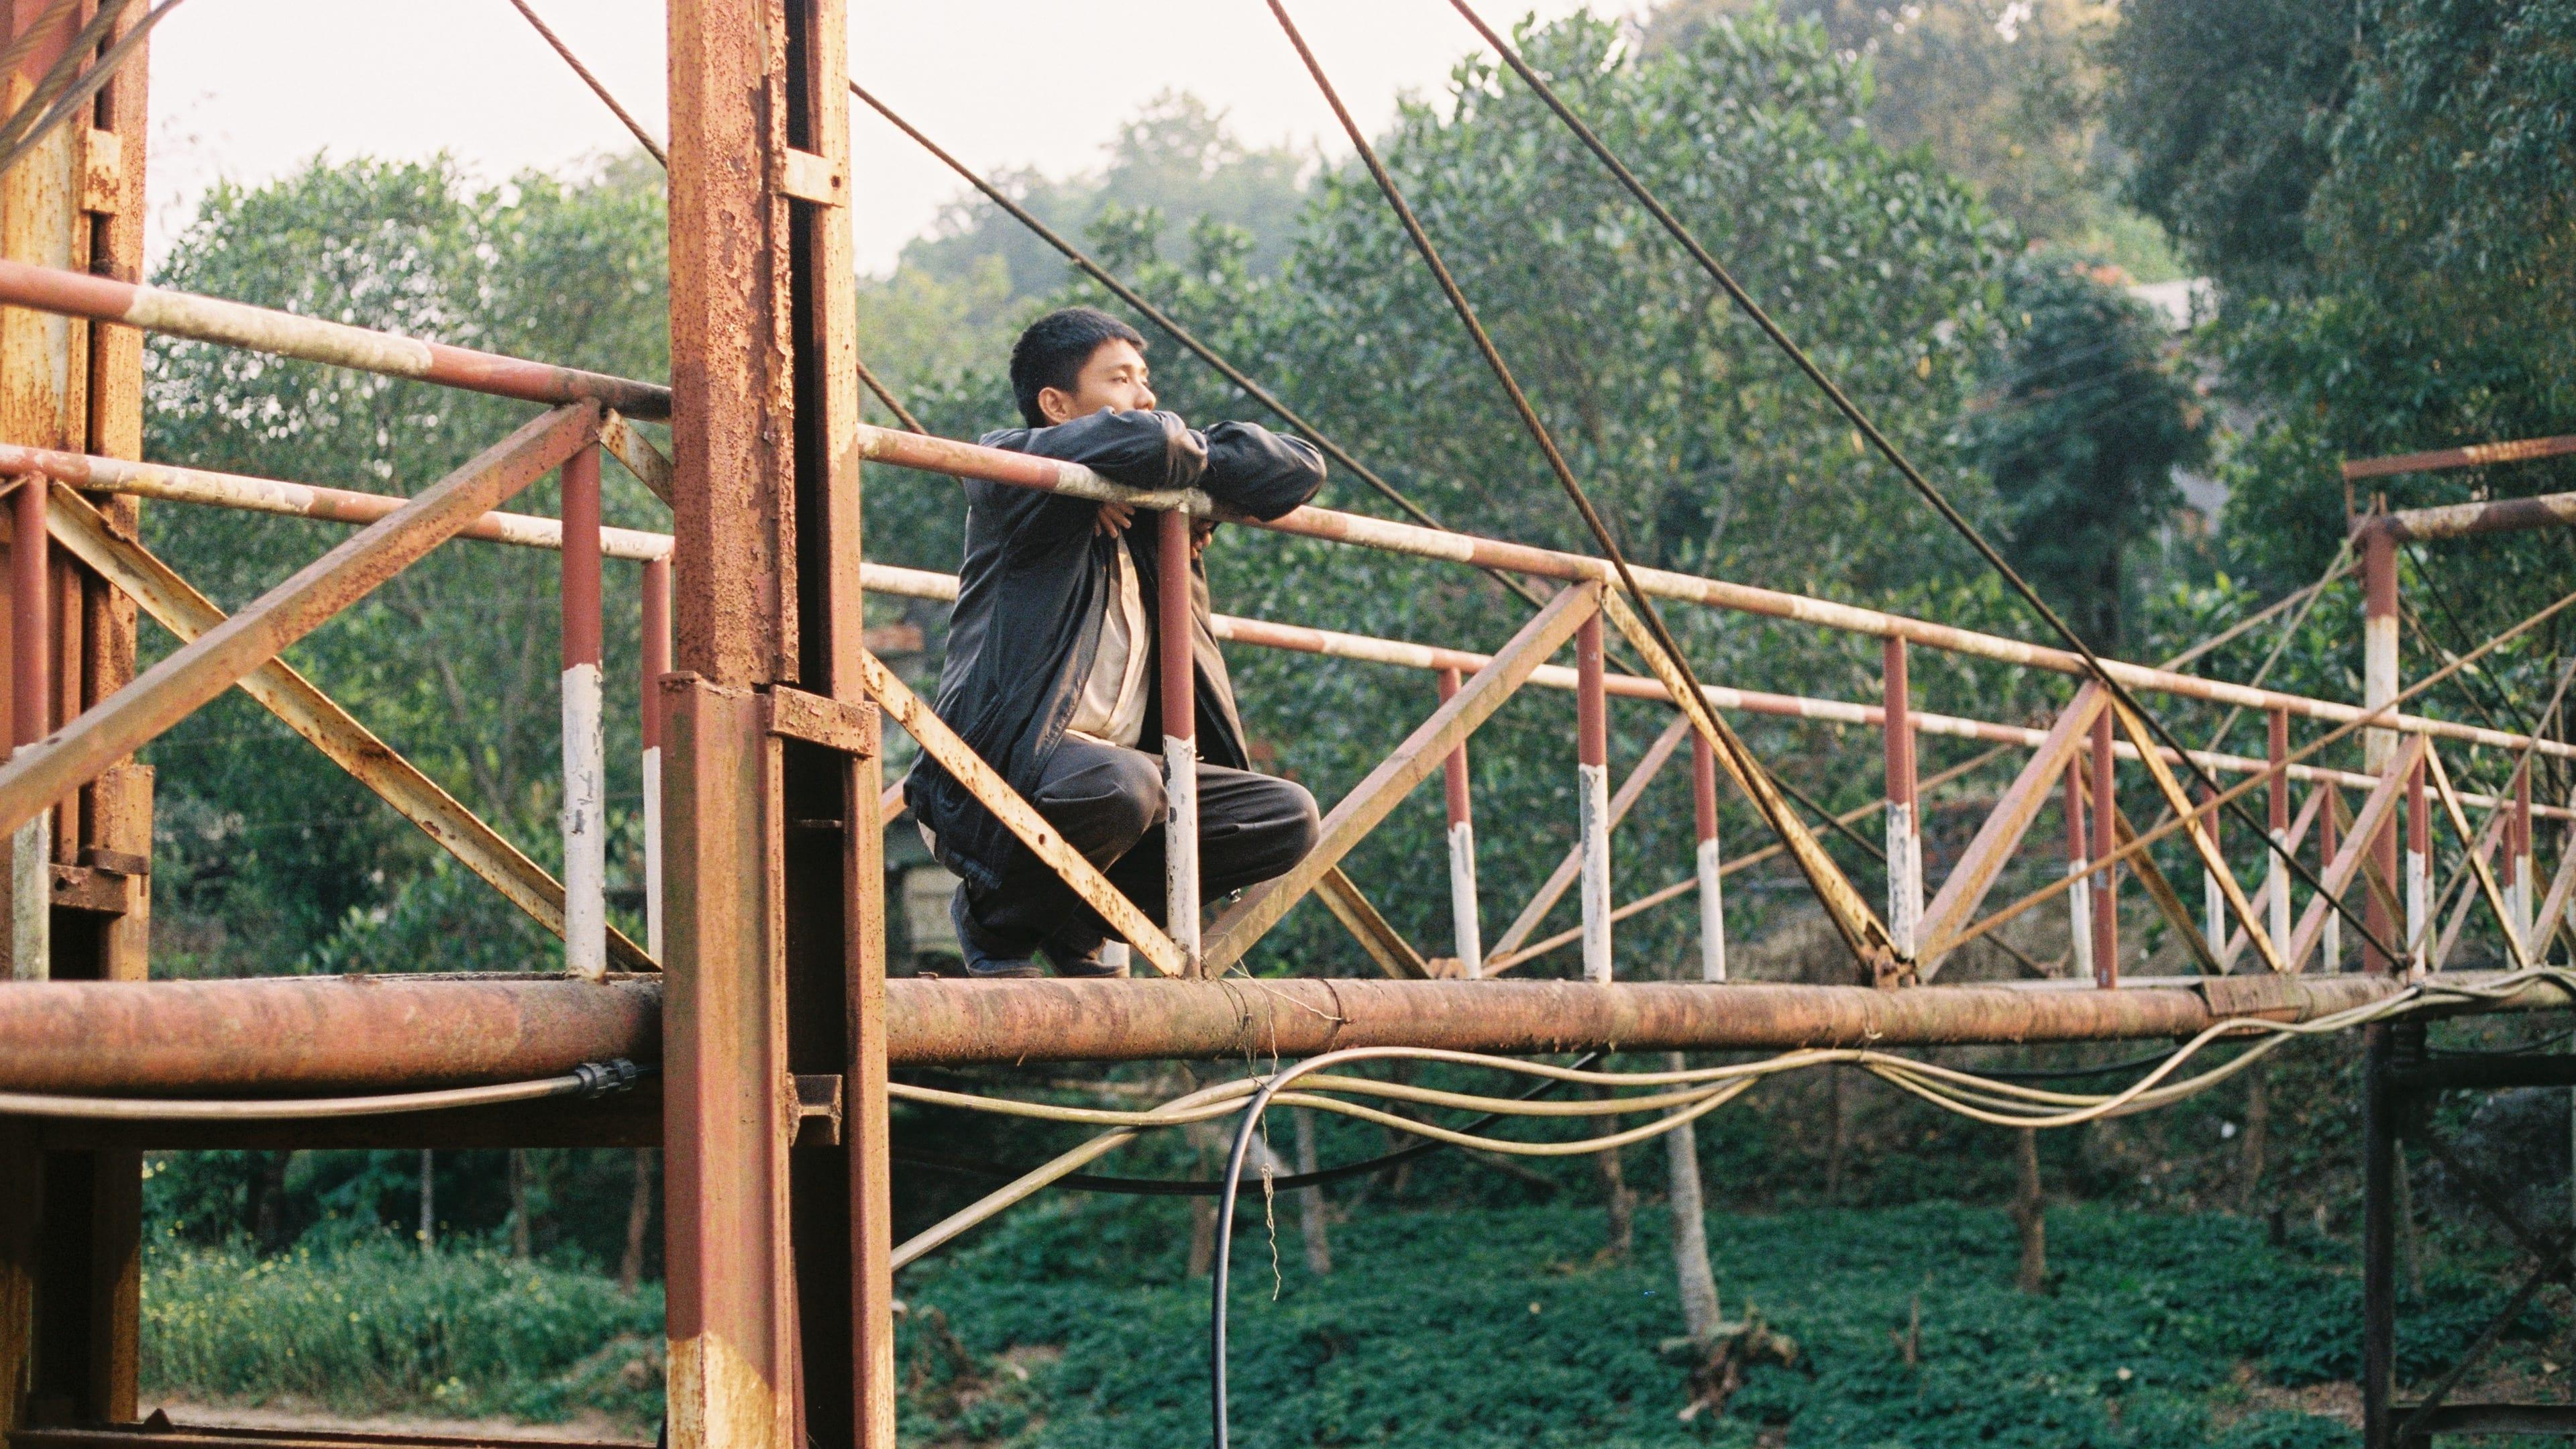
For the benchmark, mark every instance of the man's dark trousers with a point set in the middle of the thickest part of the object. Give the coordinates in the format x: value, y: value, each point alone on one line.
x: 1107, y: 802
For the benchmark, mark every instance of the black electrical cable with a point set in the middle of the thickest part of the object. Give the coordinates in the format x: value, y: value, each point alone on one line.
x: 1191, y: 1187
x: 1887, y: 448
x: 1862, y: 932
x: 2553, y: 1039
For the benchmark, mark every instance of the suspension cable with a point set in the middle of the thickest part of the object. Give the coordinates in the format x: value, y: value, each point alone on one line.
x: 598, y: 88
x: 1888, y: 449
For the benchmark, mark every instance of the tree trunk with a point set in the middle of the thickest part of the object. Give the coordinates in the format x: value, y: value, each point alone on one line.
x: 1623, y: 1203
x: 428, y: 1201
x: 1834, y: 1135
x: 522, y: 1240
x: 1202, y: 1137
x: 2028, y: 1213
x: 1697, y: 1286
x: 2258, y: 1131
x: 639, y: 1223
x: 1310, y: 1201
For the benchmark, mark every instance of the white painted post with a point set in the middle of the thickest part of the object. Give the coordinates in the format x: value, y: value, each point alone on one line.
x: 2276, y: 872
x: 1592, y: 795
x: 585, y: 785
x: 1463, y: 926
x: 2079, y: 897
x: 31, y: 847
x: 1178, y: 675
x: 1712, y: 904
x: 657, y: 662
x: 1904, y: 829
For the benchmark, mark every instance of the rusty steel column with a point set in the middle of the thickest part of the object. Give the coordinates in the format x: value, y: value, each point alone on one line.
x: 1712, y: 903
x: 2106, y: 885
x: 2379, y: 687
x: 1904, y: 838
x: 1592, y: 796
x: 1177, y: 676
x: 1465, y: 929
x: 731, y: 1311
x: 74, y: 202
x: 656, y: 661
x: 585, y: 764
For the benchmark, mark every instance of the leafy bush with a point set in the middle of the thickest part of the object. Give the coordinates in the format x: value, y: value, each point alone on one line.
x: 375, y: 1325
x: 1494, y: 1327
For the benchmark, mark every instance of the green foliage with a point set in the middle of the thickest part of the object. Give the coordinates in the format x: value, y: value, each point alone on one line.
x: 1499, y: 1327
x: 374, y: 1325
x: 270, y: 859
x: 2081, y: 437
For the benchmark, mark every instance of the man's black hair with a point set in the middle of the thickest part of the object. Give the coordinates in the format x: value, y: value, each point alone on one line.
x: 1050, y: 354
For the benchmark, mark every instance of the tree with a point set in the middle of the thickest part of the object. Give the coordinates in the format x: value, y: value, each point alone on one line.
x: 2081, y: 433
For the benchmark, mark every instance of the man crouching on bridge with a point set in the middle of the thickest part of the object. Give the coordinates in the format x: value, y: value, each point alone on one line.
x: 1051, y: 670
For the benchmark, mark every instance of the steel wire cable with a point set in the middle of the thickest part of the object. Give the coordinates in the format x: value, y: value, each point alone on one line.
x: 1895, y: 456
x: 644, y: 138
x: 1863, y: 933
x: 78, y: 93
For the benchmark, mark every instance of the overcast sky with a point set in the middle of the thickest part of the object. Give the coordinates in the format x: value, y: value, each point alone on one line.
x: 247, y: 89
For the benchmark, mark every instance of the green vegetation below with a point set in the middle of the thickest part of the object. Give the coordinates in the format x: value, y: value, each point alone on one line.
x: 375, y: 1326
x: 1077, y: 1327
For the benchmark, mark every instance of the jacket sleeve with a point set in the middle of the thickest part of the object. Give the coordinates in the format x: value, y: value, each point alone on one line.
x: 1138, y: 449
x: 1260, y: 472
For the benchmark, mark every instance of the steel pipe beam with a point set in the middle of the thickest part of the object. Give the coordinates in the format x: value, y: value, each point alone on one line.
x: 284, y: 334
x: 968, y: 460
x: 308, y: 1035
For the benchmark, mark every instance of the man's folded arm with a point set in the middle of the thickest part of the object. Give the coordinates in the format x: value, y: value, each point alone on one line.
x: 1259, y: 472
x: 1150, y: 450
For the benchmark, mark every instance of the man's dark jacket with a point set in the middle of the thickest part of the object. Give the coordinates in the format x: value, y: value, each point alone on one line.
x: 1036, y: 584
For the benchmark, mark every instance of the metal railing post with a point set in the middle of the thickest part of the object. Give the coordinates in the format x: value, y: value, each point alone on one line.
x: 1463, y: 925
x: 2524, y: 895
x: 2379, y: 746
x: 2330, y: 952
x: 2106, y: 884
x: 1178, y: 675
x: 2213, y: 898
x: 656, y: 663
x: 585, y: 784
x: 31, y: 895
x: 2419, y: 874
x: 1904, y: 839
x: 1592, y: 796
x: 1712, y: 905
x: 2276, y: 751
x: 2079, y: 899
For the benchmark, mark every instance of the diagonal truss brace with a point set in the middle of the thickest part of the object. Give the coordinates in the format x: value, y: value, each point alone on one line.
x: 2376, y: 811
x: 159, y: 697
x: 2196, y: 827
x: 188, y: 614
x: 1506, y: 951
x: 2522, y: 954
x: 1413, y: 761
x: 1965, y: 888
x: 1863, y: 933
x: 988, y: 787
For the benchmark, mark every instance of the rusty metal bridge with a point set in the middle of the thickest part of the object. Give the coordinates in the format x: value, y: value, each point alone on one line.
x: 760, y: 992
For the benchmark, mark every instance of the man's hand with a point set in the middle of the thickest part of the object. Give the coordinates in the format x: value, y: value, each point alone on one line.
x: 1114, y: 518
x: 1201, y: 530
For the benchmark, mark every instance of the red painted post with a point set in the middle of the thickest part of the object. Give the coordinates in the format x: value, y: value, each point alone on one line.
x: 2106, y: 884
x: 656, y: 653
x: 1177, y: 670
x: 2331, y: 939
x: 1904, y: 841
x: 31, y: 616
x: 2213, y: 900
x: 1592, y: 796
x: 2379, y: 746
x: 585, y: 782
x: 1464, y: 927
x: 2079, y: 854
x: 2276, y: 874
x: 1712, y: 904
x: 2419, y: 884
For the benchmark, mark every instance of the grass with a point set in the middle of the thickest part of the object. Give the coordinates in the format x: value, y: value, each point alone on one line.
x: 1073, y: 1328
x: 374, y: 1327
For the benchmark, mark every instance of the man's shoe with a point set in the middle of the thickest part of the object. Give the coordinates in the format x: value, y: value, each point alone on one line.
x: 1088, y: 955
x: 987, y: 957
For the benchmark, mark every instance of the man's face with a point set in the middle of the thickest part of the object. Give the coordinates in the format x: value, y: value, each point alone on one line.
x: 1115, y: 377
